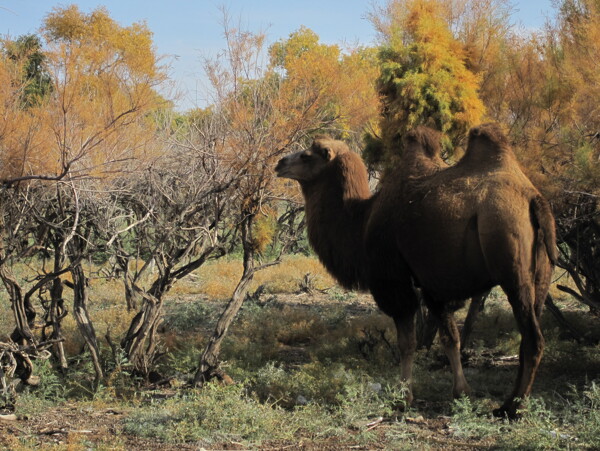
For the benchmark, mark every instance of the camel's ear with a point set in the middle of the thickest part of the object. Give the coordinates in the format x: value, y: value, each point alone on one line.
x: 324, y: 149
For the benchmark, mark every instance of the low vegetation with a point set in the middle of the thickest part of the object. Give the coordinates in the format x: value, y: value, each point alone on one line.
x: 316, y: 370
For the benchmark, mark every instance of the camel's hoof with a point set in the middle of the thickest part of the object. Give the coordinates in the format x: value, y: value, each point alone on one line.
x: 505, y: 412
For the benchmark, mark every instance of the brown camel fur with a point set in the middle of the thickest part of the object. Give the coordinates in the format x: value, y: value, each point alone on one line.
x: 457, y: 231
x: 422, y: 154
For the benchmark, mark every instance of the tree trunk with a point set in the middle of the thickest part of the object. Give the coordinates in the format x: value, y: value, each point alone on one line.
x: 57, y: 312
x: 209, y: 362
x: 55, y: 309
x: 551, y: 306
x: 80, y: 301
x: 139, y: 343
x: 130, y: 296
x: 208, y: 367
x: 24, y: 314
x: 23, y: 310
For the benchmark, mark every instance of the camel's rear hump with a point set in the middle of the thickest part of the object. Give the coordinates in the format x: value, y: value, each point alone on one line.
x: 488, y: 145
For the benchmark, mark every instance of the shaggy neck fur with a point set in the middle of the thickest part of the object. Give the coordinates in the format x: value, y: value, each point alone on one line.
x: 337, y: 205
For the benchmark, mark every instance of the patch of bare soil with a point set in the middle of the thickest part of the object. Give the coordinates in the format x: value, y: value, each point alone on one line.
x: 70, y: 425
x: 356, y: 304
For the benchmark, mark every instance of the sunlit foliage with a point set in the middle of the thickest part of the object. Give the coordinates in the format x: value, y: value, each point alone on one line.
x: 423, y: 79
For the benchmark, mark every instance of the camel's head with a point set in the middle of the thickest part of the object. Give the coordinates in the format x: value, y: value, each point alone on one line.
x: 308, y: 164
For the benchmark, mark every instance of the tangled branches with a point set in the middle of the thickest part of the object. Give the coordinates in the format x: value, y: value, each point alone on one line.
x: 16, y: 363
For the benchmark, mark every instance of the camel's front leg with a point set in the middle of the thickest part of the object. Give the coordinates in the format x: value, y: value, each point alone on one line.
x: 396, y: 298
x: 407, y: 343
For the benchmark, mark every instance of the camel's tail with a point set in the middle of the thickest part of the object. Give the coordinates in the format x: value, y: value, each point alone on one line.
x: 542, y: 215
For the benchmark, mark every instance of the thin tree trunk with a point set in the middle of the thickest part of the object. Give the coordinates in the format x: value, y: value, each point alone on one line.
x: 55, y: 310
x: 209, y: 362
x: 139, y: 343
x: 56, y: 314
x: 550, y: 305
x: 24, y: 314
x: 80, y: 312
x: 130, y: 296
x: 23, y: 310
x: 208, y: 367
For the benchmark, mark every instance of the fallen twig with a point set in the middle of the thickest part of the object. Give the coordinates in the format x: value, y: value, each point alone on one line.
x: 9, y: 417
x: 373, y: 424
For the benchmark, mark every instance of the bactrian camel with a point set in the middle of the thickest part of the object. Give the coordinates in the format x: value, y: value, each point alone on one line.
x: 454, y: 231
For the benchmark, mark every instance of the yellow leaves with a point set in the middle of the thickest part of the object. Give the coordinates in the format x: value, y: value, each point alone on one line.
x: 424, y: 79
x: 263, y: 230
x: 94, y: 120
x: 99, y: 43
x: 65, y: 23
x: 105, y: 76
x: 23, y: 131
x: 321, y: 84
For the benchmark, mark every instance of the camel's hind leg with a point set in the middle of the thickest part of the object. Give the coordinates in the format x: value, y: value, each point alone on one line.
x: 521, y: 292
x: 514, y: 258
x: 527, y: 300
x: 531, y: 349
x: 450, y: 338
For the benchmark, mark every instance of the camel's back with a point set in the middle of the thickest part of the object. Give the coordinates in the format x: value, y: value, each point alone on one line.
x: 439, y: 220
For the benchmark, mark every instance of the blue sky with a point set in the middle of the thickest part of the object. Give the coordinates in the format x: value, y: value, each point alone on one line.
x: 187, y: 30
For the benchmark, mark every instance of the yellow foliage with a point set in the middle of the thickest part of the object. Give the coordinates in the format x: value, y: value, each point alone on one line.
x: 424, y: 78
x: 320, y: 79
x: 263, y: 230
x: 94, y: 122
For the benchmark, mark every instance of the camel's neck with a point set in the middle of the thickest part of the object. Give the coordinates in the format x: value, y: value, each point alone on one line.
x: 337, y: 208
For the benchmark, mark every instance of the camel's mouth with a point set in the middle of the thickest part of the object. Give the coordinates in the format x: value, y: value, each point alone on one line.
x: 280, y: 168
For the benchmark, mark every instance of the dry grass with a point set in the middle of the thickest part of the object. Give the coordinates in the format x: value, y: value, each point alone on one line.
x: 217, y: 279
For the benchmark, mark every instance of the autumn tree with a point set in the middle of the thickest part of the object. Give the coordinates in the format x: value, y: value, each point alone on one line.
x: 90, y: 126
x: 106, y: 76
x: 572, y: 144
x: 270, y: 108
x: 325, y: 87
x: 423, y: 78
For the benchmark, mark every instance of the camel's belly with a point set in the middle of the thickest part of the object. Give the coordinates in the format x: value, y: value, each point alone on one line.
x: 449, y: 264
